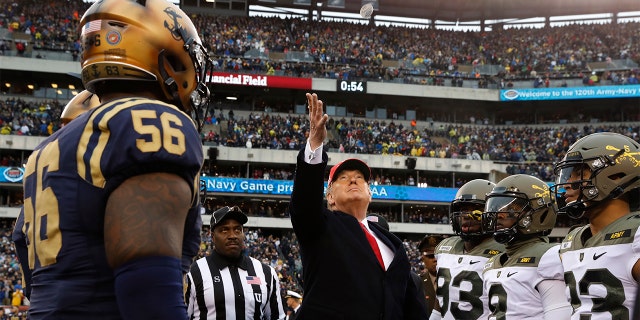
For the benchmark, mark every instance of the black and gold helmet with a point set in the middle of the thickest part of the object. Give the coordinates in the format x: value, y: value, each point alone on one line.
x: 601, y: 166
x: 465, y: 211
x: 81, y: 103
x: 146, y: 40
x: 524, y: 198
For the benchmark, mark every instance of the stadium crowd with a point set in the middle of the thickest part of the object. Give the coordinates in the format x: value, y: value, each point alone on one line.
x: 353, y: 50
x: 11, y: 291
x: 561, y: 52
x: 529, y: 149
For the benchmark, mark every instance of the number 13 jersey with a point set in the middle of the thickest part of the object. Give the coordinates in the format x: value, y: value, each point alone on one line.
x: 597, y: 269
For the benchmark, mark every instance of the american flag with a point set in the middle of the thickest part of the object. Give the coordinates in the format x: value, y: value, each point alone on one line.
x: 92, y: 26
x: 254, y: 280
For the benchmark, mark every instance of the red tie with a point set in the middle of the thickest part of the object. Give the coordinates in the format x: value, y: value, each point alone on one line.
x: 374, y: 245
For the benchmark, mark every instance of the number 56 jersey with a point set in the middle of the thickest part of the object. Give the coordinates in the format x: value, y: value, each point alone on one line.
x: 67, y: 182
x: 597, y: 269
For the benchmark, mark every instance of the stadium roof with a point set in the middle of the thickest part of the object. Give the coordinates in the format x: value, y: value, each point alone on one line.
x: 467, y: 10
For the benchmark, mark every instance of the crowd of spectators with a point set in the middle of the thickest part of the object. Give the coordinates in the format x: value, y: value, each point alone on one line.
x: 528, y: 149
x: 52, y: 25
x: 29, y: 118
x: 12, y: 300
x: 348, y: 50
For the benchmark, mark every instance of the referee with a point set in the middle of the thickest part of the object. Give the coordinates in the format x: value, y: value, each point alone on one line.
x: 228, y: 284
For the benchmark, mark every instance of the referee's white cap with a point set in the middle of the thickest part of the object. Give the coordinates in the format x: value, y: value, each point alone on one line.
x: 293, y: 294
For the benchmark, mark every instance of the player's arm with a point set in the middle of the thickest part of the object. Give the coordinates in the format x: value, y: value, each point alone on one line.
x: 144, y: 226
x: 22, y: 251
x: 554, y: 300
x: 192, y: 238
x: 635, y: 247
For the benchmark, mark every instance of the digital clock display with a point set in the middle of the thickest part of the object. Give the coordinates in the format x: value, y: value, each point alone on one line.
x: 352, y: 86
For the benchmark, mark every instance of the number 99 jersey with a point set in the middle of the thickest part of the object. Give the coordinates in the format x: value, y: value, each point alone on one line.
x: 67, y: 182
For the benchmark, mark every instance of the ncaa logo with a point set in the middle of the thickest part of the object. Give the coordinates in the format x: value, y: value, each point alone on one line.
x: 113, y: 37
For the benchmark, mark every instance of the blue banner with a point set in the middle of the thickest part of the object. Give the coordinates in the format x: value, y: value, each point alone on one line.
x: 284, y: 188
x: 242, y: 186
x: 575, y: 93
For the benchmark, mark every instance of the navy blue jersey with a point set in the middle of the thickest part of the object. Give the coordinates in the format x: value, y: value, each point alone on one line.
x: 68, y: 180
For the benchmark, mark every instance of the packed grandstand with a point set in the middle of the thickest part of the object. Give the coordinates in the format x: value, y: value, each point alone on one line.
x: 454, y: 130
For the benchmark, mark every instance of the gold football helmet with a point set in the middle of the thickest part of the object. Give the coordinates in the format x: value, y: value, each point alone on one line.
x: 81, y: 103
x: 146, y: 40
x: 524, y: 199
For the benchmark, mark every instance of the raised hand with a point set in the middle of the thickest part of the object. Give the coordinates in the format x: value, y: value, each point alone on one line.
x: 317, y: 121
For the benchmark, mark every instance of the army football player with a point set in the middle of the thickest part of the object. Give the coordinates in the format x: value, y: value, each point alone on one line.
x: 461, y: 258
x: 525, y: 281
x: 598, y: 178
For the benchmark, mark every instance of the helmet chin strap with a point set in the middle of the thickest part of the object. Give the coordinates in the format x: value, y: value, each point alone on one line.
x: 575, y: 209
x: 505, y: 236
x: 170, y: 84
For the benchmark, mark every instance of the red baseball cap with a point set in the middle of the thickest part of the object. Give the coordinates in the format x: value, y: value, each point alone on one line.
x: 350, y: 164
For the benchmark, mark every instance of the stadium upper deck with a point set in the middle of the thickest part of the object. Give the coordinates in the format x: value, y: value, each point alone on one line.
x: 446, y: 12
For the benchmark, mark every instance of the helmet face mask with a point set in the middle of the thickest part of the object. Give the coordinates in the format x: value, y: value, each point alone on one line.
x: 574, y: 188
x: 519, y: 206
x: 596, y: 168
x: 467, y: 219
x: 502, y: 216
x: 465, y: 211
x: 151, y: 41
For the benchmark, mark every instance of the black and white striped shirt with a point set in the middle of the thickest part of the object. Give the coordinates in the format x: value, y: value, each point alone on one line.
x: 217, y: 289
